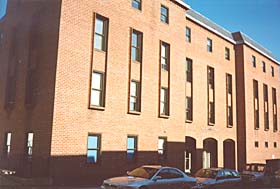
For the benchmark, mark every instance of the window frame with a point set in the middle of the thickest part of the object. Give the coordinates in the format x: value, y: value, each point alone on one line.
x: 139, y: 46
x: 97, y: 149
x: 166, y: 17
x: 274, y: 109
x: 272, y: 71
x: 139, y: 4
x: 29, y: 147
x: 263, y: 66
x: 209, y: 45
x: 166, y: 46
x: 256, y: 106
x: 229, y: 93
x: 254, y: 60
x: 136, y: 96
x: 165, y: 102
x: 103, y: 35
x: 189, y: 70
x: 266, y: 107
x: 189, y: 109
x: 100, y: 91
x: 162, y: 157
x: 188, y: 34
x: 227, y: 53
x: 135, y: 148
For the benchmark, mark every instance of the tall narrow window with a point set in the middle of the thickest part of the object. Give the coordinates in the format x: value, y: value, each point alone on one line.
x: 229, y: 100
x: 97, y: 91
x: 266, y: 114
x: 100, y: 33
x: 211, y: 95
x: 189, y: 70
x: 164, y: 14
x: 209, y: 45
x: 254, y: 61
x: 274, y: 99
x: 272, y: 71
x: 8, y: 144
x: 189, y: 109
x: 131, y: 148
x: 93, y: 148
x: 162, y: 148
x: 134, y: 96
x: 29, y: 144
x: 227, y: 53
x: 137, y: 4
x: 256, y: 104
x: 136, y: 46
x: 188, y: 34
x: 263, y: 66
x: 165, y: 51
x: 164, y: 104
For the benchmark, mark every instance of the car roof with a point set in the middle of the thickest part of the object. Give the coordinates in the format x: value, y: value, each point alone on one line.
x: 153, y: 166
x: 219, y: 168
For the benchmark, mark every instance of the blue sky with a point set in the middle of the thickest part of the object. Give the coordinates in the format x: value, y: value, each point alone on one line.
x: 3, y: 4
x: 259, y: 19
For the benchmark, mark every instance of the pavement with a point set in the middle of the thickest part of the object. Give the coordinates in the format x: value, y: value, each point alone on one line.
x: 14, y: 182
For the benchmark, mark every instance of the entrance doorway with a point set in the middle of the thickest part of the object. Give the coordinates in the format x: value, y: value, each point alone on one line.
x: 210, y: 153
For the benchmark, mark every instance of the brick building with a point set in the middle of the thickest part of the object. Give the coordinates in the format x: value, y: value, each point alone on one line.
x: 88, y: 93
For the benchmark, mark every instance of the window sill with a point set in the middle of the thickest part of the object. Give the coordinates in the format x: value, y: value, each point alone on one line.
x: 229, y: 126
x: 136, y: 62
x: 100, y: 108
x: 211, y: 124
x: 189, y: 121
x: 101, y: 51
x: 137, y: 10
x: 164, y: 116
x: 266, y: 129
x: 257, y: 128
x: 275, y: 130
x: 134, y: 113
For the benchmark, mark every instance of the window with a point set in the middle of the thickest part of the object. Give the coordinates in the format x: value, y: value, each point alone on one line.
x: 229, y: 100
x: 137, y: 4
x: 254, y: 61
x: 189, y: 109
x: 275, y: 144
x: 266, y: 114
x: 93, y: 148
x: 272, y: 71
x: 29, y: 144
x: 211, y: 113
x: 162, y: 144
x: 165, y: 50
x: 266, y: 144
x: 209, y: 45
x: 188, y: 34
x: 256, y: 104
x: 134, y: 96
x: 263, y: 66
x: 189, y: 70
x: 100, y: 33
x: 211, y: 78
x: 97, y: 91
x: 164, y: 14
x: 8, y: 144
x: 136, y: 46
x: 211, y: 95
x: 256, y: 144
x: 274, y: 102
x: 164, y: 104
x: 227, y: 53
x: 131, y: 148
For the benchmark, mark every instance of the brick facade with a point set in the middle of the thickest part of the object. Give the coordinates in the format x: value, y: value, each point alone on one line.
x: 52, y: 63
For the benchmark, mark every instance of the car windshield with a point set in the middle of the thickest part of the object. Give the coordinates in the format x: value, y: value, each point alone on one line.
x: 206, y: 173
x: 143, y: 172
x: 255, y: 168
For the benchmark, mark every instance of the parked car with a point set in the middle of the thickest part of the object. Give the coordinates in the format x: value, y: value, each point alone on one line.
x: 253, y: 174
x: 272, y: 173
x: 217, y: 178
x: 151, y: 177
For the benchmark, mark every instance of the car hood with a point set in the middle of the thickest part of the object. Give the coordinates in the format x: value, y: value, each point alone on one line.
x: 125, y: 180
x: 205, y: 180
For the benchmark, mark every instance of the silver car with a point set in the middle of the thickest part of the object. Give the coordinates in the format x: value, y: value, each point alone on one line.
x: 150, y: 177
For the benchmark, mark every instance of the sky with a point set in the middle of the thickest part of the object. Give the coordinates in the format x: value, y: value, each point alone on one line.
x: 259, y: 19
x: 3, y: 4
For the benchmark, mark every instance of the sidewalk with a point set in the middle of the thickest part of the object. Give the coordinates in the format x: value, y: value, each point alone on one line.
x: 14, y: 182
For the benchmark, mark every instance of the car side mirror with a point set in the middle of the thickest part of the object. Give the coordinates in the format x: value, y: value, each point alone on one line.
x: 157, y: 178
x: 127, y: 172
